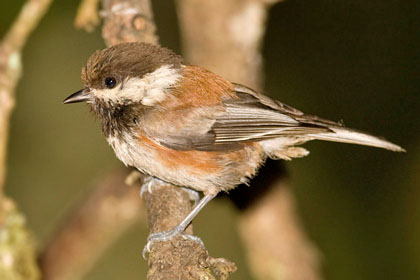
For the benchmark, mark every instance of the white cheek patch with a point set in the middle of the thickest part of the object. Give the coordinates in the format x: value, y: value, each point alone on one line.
x: 107, y: 94
x: 155, y: 84
x: 149, y: 90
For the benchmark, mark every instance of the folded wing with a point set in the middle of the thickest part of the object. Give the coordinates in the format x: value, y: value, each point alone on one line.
x: 253, y: 117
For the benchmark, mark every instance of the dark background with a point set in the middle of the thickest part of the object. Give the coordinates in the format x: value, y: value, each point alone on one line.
x: 356, y: 61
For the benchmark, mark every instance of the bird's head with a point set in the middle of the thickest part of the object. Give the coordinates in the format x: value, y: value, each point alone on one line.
x: 128, y: 73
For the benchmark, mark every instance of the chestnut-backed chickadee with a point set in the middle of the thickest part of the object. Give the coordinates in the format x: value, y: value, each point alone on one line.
x: 190, y: 127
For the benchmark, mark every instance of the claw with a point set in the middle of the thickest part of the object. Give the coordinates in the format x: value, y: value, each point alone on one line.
x: 148, y: 184
x: 144, y: 188
x: 193, y: 238
x: 145, y: 250
x: 194, y: 195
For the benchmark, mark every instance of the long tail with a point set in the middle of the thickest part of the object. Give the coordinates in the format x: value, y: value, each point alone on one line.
x: 345, y: 135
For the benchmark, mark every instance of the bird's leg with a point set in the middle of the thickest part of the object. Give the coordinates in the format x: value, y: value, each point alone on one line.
x: 179, y: 229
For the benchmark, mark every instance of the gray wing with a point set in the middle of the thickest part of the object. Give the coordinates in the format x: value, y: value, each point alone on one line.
x: 255, y: 117
x: 248, y: 118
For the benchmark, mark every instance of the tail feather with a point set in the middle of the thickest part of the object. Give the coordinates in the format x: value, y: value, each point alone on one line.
x: 345, y: 135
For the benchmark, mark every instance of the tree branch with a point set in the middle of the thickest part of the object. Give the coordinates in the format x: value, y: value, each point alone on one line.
x: 276, y: 243
x: 128, y: 21
x: 10, y: 67
x: 107, y: 212
x: 166, y: 207
x: 17, y: 253
x: 87, y: 16
x: 226, y: 37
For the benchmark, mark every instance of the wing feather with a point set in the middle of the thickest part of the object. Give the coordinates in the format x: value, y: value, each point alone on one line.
x: 255, y: 117
x: 248, y: 116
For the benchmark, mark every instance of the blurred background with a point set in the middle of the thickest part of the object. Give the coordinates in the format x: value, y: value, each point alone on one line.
x: 356, y: 61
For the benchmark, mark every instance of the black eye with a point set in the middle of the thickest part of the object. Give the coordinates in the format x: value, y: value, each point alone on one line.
x: 110, y: 82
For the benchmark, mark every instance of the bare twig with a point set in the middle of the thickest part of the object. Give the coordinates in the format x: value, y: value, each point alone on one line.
x: 108, y: 211
x: 225, y: 36
x: 87, y: 15
x: 17, y: 253
x: 10, y: 67
x: 277, y: 246
x: 128, y: 21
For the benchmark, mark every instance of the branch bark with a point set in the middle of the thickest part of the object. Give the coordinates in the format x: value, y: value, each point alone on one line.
x: 276, y: 243
x: 87, y: 16
x: 107, y: 212
x: 167, y: 206
x: 128, y: 21
x: 226, y: 37
x: 10, y: 67
x: 17, y: 249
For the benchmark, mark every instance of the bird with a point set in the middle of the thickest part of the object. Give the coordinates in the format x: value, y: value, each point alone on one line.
x: 187, y: 126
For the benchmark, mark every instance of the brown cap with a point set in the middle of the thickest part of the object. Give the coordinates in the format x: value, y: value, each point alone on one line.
x: 126, y: 60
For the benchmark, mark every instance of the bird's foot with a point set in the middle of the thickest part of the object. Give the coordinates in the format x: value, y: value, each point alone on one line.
x: 148, y: 184
x: 194, y: 195
x: 168, y: 235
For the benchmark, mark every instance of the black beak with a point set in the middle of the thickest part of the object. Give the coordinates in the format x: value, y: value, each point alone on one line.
x: 78, y: 96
